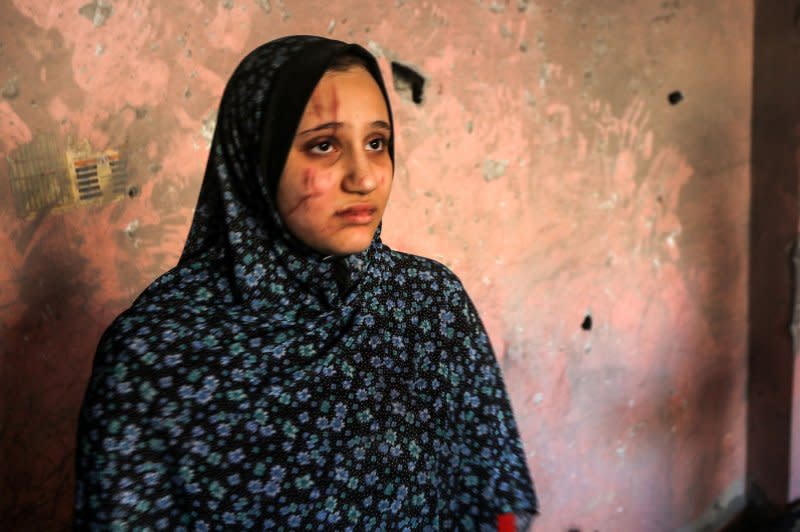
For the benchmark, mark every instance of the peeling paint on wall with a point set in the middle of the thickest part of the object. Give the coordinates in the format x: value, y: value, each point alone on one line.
x: 97, y: 11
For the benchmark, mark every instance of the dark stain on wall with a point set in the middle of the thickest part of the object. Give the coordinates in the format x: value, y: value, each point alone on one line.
x: 42, y: 349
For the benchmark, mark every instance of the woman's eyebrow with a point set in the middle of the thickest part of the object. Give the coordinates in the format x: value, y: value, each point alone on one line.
x: 326, y: 125
x: 381, y: 124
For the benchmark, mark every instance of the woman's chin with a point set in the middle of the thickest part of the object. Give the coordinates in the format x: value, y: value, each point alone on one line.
x: 349, y: 249
x: 350, y: 243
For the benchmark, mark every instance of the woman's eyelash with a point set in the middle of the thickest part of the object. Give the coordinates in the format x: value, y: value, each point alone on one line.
x: 383, y: 140
x: 316, y: 143
x: 324, y: 146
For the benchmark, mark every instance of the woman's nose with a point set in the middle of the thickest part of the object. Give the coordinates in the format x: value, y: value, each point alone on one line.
x: 360, y: 176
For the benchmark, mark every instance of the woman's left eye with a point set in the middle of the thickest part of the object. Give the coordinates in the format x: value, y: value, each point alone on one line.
x: 376, y: 144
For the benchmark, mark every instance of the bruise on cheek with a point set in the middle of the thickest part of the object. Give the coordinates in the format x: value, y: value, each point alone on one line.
x: 315, y: 184
x: 382, y: 173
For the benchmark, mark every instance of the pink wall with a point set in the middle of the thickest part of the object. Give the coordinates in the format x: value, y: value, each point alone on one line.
x: 545, y: 165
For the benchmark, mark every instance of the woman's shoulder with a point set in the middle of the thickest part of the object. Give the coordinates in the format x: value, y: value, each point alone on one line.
x: 425, y: 272
x: 160, y: 319
x: 419, y: 266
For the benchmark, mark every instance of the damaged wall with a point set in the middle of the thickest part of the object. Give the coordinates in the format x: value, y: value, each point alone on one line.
x: 583, y: 166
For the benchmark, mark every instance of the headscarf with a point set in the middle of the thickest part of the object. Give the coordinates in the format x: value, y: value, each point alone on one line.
x: 262, y: 385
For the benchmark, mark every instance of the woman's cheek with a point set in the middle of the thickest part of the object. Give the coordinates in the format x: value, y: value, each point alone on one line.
x: 384, y: 171
x: 313, y: 184
x: 316, y: 182
x: 385, y: 179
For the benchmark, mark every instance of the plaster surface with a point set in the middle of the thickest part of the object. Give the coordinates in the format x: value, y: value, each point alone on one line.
x: 545, y: 165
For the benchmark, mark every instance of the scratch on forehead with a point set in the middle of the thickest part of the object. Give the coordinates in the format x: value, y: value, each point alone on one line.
x: 334, y: 102
x: 325, y: 104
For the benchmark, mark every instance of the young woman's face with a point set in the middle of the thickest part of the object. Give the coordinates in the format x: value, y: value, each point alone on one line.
x: 338, y: 174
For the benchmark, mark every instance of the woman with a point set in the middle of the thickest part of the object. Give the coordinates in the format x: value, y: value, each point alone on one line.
x: 292, y: 371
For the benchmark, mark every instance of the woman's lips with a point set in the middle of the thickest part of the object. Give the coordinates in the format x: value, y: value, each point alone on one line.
x: 357, y: 214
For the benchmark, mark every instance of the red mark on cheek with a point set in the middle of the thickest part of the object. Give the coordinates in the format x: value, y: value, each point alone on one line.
x: 314, y: 184
x: 309, y: 178
x: 382, y: 173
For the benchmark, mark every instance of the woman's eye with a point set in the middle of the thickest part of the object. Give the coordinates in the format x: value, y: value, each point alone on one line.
x: 376, y: 144
x: 322, y: 148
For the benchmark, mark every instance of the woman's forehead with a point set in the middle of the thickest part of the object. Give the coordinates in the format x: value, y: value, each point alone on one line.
x: 342, y: 96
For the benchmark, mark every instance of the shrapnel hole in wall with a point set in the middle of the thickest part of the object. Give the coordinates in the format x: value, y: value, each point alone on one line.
x: 675, y: 97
